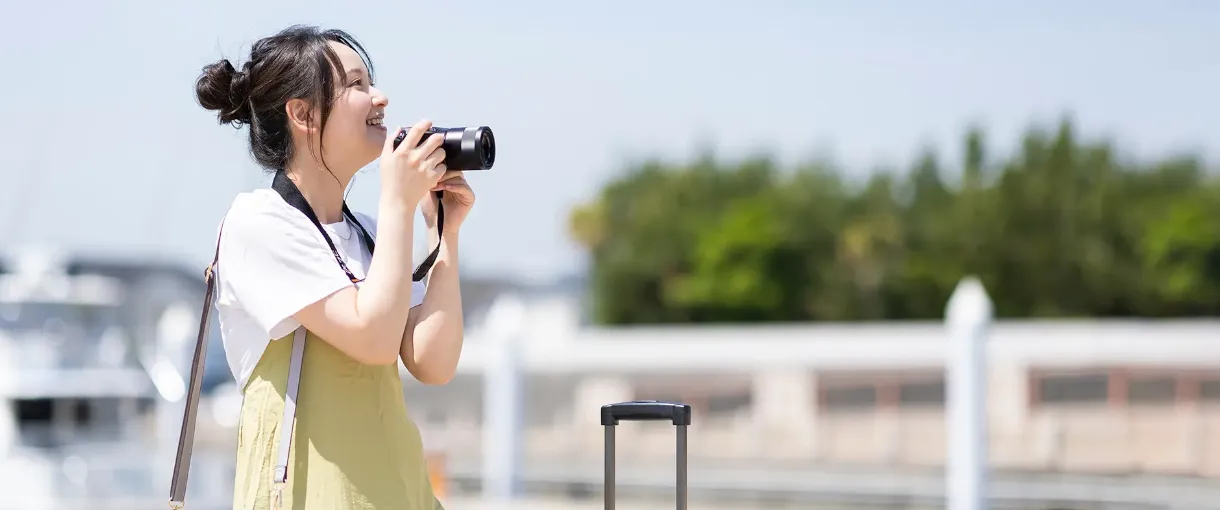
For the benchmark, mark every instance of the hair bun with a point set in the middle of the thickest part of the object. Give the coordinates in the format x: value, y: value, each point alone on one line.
x: 224, y: 89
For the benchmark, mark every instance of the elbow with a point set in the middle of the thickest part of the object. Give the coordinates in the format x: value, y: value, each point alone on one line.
x: 432, y: 367
x: 436, y: 377
x: 431, y: 373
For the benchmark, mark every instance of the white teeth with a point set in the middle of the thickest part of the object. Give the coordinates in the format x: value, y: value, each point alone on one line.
x: 374, y: 122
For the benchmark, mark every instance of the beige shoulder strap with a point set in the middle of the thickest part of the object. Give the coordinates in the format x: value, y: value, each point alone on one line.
x: 186, y: 439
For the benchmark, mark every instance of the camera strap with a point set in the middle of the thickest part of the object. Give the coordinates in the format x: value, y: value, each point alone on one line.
x: 290, y: 193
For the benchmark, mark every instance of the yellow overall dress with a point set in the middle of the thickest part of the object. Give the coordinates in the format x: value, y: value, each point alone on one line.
x: 354, y: 445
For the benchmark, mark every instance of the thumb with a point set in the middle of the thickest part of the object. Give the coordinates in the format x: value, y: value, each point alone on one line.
x: 388, y: 149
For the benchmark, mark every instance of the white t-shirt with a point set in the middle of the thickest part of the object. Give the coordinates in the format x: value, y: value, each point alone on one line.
x: 274, y: 262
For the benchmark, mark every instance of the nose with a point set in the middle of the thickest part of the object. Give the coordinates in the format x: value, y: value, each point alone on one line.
x: 379, y: 98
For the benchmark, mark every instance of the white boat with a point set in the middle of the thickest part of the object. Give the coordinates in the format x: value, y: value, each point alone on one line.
x: 93, y: 362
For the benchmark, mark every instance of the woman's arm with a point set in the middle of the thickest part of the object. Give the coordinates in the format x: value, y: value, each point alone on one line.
x: 432, y: 339
x: 364, y: 324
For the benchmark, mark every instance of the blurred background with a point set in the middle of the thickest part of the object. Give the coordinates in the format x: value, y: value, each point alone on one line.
x: 760, y: 210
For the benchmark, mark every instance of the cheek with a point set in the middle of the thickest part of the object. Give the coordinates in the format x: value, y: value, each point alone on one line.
x: 342, y: 127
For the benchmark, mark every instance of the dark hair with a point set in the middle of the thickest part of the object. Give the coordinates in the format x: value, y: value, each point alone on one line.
x: 297, y: 63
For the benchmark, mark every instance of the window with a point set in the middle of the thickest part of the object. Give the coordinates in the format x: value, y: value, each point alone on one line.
x: 1158, y: 390
x: 714, y: 397
x: 1073, y: 388
x: 849, y: 397
x: 1209, y: 390
x: 922, y: 394
x: 728, y: 404
x: 1121, y: 386
x: 903, y: 389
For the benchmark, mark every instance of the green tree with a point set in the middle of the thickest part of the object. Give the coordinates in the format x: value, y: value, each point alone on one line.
x: 1062, y: 227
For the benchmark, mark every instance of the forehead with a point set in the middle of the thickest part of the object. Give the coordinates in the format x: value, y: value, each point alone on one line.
x: 349, y: 58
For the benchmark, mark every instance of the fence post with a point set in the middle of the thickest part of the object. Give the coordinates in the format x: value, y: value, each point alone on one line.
x: 967, y: 320
x: 503, y: 405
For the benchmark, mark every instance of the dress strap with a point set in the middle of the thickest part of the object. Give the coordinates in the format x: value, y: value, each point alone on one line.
x: 287, y: 423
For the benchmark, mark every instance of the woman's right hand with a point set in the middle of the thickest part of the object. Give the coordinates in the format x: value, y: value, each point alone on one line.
x: 408, y: 172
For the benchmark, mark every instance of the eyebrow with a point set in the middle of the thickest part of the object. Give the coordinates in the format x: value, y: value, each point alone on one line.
x: 355, y: 73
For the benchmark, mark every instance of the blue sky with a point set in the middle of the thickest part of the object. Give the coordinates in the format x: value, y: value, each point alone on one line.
x: 102, y: 147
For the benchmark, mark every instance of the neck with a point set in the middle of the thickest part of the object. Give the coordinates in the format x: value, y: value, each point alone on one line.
x: 323, y: 191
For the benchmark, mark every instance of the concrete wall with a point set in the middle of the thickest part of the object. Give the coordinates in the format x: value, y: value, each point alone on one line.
x: 784, y: 416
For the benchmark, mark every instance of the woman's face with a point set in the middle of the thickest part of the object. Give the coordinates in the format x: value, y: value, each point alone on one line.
x: 354, y: 134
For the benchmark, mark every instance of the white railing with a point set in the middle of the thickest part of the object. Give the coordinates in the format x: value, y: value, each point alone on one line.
x: 516, y: 342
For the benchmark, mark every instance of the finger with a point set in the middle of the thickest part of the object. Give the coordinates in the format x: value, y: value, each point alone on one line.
x: 414, y: 135
x: 460, y: 189
x: 437, y: 157
x: 441, y: 185
x: 433, y: 142
x: 449, y: 180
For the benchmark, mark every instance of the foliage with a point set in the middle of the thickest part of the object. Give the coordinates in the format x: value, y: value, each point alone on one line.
x: 1063, y: 227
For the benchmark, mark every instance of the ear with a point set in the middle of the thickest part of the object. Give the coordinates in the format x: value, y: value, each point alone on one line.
x: 300, y: 114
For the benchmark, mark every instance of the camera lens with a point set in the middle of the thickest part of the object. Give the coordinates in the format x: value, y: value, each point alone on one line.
x: 487, y: 147
x: 466, y: 148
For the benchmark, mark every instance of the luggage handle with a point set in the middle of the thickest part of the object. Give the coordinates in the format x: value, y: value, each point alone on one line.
x: 646, y: 410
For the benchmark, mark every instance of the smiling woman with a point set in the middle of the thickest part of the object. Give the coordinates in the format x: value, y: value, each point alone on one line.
x: 313, y: 323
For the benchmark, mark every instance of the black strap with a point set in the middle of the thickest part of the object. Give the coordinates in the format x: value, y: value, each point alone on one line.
x: 290, y: 193
x: 430, y: 260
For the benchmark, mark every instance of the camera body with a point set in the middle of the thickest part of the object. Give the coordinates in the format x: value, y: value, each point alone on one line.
x: 466, y: 148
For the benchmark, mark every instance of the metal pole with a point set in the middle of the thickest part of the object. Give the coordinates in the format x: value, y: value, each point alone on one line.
x: 608, y: 492
x: 968, y: 316
x: 681, y: 465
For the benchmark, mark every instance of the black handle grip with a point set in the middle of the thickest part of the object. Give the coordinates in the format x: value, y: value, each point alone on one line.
x: 641, y: 410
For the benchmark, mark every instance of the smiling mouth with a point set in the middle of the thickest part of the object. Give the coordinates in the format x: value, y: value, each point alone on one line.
x: 375, y: 121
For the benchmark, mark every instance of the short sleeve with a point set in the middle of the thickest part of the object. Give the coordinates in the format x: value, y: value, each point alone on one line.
x: 274, y: 264
x: 418, y: 289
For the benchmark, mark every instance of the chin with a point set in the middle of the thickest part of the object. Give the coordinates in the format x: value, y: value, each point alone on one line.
x: 371, y: 154
x: 373, y: 146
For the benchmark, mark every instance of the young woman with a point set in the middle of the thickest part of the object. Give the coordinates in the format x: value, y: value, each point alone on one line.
x: 317, y: 304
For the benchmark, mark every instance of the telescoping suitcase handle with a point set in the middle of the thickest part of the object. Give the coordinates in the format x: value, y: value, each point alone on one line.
x: 646, y: 410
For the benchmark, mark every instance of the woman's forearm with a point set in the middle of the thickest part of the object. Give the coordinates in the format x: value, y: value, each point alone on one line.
x: 432, y: 340
x: 367, y: 323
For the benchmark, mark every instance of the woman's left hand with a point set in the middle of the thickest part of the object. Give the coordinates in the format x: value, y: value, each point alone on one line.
x: 457, y: 200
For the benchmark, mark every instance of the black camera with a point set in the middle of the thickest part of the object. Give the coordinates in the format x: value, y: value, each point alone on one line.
x: 466, y: 148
